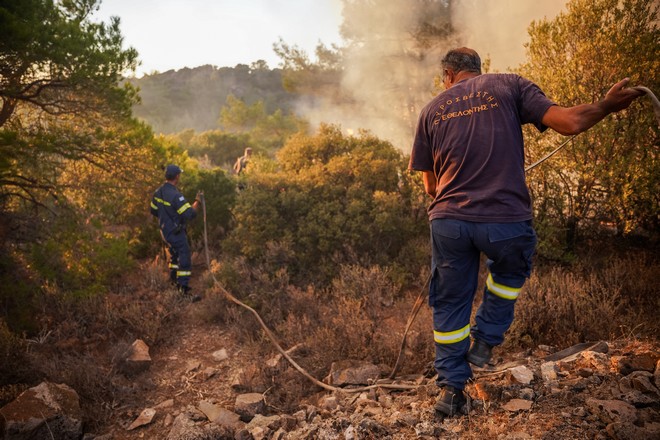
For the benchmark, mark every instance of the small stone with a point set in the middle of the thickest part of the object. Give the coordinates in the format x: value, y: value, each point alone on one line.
x: 249, y: 405
x: 593, y: 360
x: 641, y: 381
x: 169, y: 419
x: 626, y: 364
x: 328, y: 403
x: 193, y: 365
x: 515, y: 405
x: 137, y: 358
x: 521, y: 375
x: 349, y: 433
x: 165, y: 404
x: 220, y: 355
x: 353, y: 372
x: 549, y: 371
x: 258, y: 433
x: 208, y: 373
x: 145, y: 418
x: 270, y: 423
x: 527, y: 394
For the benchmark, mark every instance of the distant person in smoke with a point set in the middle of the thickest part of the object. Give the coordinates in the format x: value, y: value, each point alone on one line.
x: 469, y: 148
x: 242, y: 161
x: 173, y: 213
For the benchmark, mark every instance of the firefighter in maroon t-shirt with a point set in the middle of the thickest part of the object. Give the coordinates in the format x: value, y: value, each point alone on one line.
x: 469, y: 146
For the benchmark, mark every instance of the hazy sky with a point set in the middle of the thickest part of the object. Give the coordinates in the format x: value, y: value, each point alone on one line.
x: 171, y: 34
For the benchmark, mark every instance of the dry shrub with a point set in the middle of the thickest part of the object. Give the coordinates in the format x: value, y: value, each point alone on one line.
x: 589, y: 302
x: 13, y: 365
x: 343, y: 322
x: 370, y: 285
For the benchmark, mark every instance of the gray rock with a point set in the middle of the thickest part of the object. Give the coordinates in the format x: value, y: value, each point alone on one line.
x: 515, y: 405
x: 220, y: 355
x: 635, y: 362
x: 184, y: 428
x: 642, y: 381
x: 549, y: 371
x: 593, y: 360
x: 628, y: 431
x: 612, y: 411
x: 137, y: 358
x: 521, y: 375
x: 353, y: 372
x: 527, y: 394
x: 249, y: 405
x: 272, y: 423
x: 193, y: 365
x: 45, y: 411
x: 328, y: 403
x: 145, y: 418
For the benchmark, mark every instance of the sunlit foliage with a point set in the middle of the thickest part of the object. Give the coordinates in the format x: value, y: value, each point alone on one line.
x: 610, y: 175
x: 328, y: 200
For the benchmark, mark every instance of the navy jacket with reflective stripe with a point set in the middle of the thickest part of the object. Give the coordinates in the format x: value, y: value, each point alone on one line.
x: 171, y: 208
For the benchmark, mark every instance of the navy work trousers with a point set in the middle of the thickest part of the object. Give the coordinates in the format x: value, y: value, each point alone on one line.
x: 180, y: 260
x: 457, y: 247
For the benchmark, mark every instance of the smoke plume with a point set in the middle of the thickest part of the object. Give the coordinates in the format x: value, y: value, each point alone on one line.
x: 392, y: 51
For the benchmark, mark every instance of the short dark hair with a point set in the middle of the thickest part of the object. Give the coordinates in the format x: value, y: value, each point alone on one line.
x: 462, y: 60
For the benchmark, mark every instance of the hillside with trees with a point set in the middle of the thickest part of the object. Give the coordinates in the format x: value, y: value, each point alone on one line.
x: 191, y: 98
x: 324, y: 235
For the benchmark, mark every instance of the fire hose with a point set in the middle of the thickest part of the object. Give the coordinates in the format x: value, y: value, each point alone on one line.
x: 416, y: 307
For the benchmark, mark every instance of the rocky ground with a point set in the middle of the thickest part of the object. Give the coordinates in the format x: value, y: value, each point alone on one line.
x: 200, y: 385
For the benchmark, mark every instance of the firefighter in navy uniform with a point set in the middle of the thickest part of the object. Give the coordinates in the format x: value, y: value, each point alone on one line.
x: 174, y: 212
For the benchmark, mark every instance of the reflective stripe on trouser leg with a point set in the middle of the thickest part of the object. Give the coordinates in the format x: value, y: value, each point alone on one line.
x: 455, y: 268
x: 495, y: 314
x: 180, y: 245
x: 450, y: 350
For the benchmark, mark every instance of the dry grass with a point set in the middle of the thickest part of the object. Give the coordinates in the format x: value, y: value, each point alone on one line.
x: 353, y: 318
x: 360, y: 315
x: 564, y: 306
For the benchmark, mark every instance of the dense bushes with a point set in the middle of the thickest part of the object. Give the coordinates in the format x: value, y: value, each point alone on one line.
x: 330, y: 200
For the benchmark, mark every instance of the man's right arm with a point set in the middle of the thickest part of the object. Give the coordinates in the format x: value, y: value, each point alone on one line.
x: 430, y: 183
x: 575, y: 120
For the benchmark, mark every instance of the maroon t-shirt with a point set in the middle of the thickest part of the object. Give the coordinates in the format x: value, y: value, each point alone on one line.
x: 470, y: 136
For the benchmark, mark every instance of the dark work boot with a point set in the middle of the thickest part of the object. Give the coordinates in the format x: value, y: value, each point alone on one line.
x: 186, y: 293
x: 480, y: 353
x: 450, y: 402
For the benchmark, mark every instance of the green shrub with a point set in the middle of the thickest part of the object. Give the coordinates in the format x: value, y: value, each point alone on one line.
x: 329, y: 200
